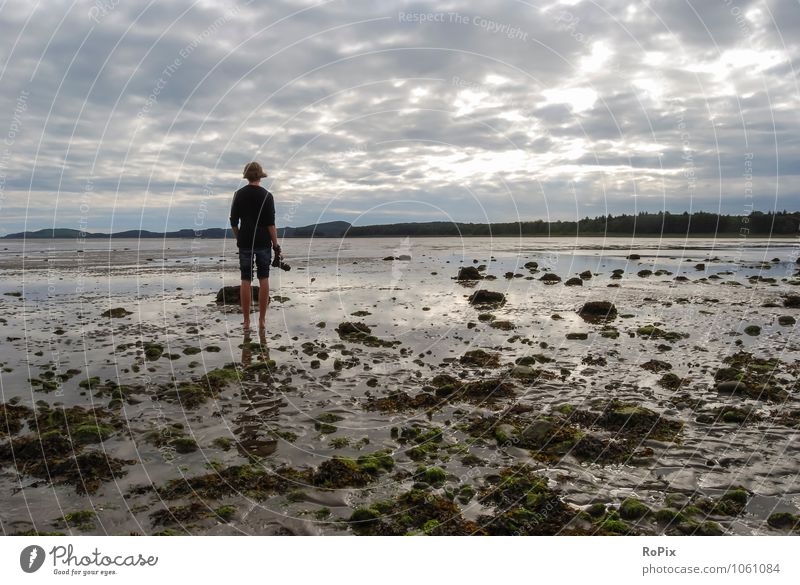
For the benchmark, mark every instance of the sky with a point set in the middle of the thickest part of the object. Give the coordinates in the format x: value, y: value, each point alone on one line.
x: 119, y: 115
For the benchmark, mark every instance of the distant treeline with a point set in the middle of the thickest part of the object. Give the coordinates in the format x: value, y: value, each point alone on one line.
x: 642, y: 224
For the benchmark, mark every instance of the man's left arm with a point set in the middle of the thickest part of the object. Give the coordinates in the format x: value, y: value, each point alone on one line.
x: 273, y: 232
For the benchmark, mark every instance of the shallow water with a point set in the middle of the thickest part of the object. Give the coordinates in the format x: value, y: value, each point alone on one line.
x: 170, y: 285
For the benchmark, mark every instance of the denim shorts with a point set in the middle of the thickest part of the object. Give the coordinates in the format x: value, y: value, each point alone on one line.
x: 263, y: 258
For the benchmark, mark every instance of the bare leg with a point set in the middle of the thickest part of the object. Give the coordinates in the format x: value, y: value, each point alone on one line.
x: 263, y: 302
x: 245, y: 295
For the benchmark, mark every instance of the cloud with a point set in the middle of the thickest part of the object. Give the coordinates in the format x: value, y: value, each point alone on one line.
x: 119, y: 115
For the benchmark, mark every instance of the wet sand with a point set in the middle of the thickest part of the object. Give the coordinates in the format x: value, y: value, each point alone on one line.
x: 676, y: 414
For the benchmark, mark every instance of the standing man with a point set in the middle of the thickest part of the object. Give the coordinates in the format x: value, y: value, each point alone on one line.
x: 254, y: 207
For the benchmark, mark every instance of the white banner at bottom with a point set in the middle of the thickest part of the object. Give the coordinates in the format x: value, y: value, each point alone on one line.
x: 423, y: 560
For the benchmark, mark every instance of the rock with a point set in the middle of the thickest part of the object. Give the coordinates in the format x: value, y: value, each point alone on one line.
x: 480, y: 358
x: 644, y: 273
x: 598, y: 311
x: 487, y: 297
x: 634, y: 257
x: 502, y: 325
x: 229, y: 295
x: 550, y: 278
x: 389, y: 258
x: 348, y: 328
x: 630, y: 416
x: 786, y: 320
x: 153, y: 351
x: 586, y: 274
x: 633, y: 509
x: 670, y: 381
x: 468, y: 273
x: 732, y: 387
x: 653, y: 332
x: 575, y: 281
x: 531, y: 265
x: 525, y: 372
x: 681, y: 279
x: 577, y: 335
x: 116, y: 313
x: 792, y: 302
x: 752, y: 330
x: 700, y: 266
x: 656, y: 366
x: 783, y: 520
x: 504, y: 434
x: 404, y: 258
x: 617, y: 273
x: 537, y: 432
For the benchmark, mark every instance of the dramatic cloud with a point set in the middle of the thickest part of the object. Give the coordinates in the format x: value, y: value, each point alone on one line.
x: 122, y: 114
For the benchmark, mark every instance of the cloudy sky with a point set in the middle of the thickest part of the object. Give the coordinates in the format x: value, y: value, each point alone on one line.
x: 118, y: 114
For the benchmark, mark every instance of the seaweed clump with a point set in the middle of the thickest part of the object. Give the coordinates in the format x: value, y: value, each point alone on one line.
x: 415, y: 512
x: 59, y: 449
x: 361, y: 333
x: 524, y: 505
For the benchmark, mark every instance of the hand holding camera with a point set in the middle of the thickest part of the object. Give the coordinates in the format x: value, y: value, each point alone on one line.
x: 277, y: 259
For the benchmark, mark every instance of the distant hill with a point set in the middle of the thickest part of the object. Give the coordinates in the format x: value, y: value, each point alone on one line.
x: 329, y: 229
x: 701, y: 223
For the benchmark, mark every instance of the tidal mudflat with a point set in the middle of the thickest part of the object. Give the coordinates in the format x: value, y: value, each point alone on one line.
x: 423, y: 386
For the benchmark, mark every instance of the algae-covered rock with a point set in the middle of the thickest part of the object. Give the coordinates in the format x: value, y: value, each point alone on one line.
x: 656, y: 366
x: 784, y: 521
x: 116, y: 313
x: 550, y: 278
x: 633, y: 509
x: 469, y: 273
x: 523, y: 504
x: 791, y: 301
x: 480, y: 358
x: 598, y: 311
x: 487, y: 297
x: 361, y: 333
x: 230, y: 295
x: 653, y: 332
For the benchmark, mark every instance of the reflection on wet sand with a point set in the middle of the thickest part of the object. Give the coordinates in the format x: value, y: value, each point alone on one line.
x: 259, y: 404
x: 652, y: 382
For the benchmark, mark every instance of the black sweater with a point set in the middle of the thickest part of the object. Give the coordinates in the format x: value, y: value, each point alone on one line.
x: 255, y: 207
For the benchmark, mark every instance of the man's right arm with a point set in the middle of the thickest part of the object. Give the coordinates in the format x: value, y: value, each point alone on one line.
x: 235, y: 216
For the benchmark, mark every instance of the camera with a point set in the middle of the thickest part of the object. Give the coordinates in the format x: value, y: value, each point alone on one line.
x: 277, y: 260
